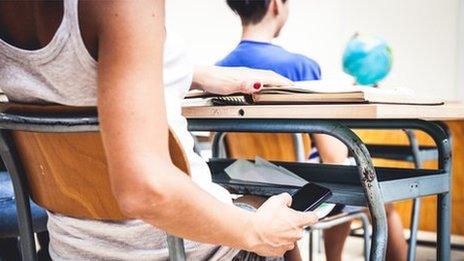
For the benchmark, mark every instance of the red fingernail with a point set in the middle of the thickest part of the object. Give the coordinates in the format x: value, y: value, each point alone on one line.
x: 257, y: 85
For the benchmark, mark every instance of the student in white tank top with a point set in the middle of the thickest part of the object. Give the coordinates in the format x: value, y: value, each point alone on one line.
x: 126, y: 84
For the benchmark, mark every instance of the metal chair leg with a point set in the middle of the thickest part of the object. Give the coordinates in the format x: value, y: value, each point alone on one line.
x: 415, y: 212
x: 218, y: 145
x: 176, y: 248
x: 196, y: 147
x: 444, y: 207
x: 444, y: 226
x: 23, y: 208
x: 366, y: 236
x: 310, y: 252
x: 414, y: 229
x: 299, y: 147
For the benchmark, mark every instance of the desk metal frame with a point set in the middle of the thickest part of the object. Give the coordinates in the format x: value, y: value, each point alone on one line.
x: 367, y: 174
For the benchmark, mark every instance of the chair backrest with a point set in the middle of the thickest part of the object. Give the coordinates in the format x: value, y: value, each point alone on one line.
x: 270, y: 146
x: 67, y: 171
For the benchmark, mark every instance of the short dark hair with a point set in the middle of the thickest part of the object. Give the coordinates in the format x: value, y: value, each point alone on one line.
x: 250, y: 11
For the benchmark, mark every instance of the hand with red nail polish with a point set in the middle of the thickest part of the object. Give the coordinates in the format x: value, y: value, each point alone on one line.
x: 229, y: 80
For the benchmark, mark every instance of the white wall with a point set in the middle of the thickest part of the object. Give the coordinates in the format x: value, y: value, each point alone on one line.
x: 460, y: 67
x: 422, y: 34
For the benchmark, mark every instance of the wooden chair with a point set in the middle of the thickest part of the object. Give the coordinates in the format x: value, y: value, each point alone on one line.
x: 54, y: 155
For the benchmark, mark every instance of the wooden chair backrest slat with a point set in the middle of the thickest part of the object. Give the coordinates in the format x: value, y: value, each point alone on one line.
x: 270, y: 146
x: 67, y: 172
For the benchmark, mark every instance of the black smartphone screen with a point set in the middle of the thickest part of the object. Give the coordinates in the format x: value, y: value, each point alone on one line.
x: 309, y: 197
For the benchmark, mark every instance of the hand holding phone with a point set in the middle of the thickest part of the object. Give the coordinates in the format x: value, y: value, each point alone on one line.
x: 309, y: 197
x: 276, y: 227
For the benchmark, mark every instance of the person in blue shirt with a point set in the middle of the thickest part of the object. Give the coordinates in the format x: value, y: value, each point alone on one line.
x: 262, y: 21
x: 267, y: 56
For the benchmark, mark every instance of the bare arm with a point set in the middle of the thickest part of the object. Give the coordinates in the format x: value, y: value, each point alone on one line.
x: 331, y: 150
x: 227, y: 80
x: 135, y: 135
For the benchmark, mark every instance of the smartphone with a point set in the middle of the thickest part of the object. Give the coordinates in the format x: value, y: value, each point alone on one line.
x: 309, y: 197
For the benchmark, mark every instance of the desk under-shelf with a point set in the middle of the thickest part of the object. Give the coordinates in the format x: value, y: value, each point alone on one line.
x: 357, y: 185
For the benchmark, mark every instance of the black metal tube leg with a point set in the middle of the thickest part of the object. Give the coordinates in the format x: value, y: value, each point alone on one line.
x: 444, y: 227
x: 366, y: 236
x: 23, y: 208
x: 444, y: 200
x: 372, y: 190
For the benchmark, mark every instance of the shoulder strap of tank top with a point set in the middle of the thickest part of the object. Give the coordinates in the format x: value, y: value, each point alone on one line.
x: 71, y: 14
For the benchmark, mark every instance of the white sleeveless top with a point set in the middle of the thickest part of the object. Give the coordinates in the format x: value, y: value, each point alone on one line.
x: 64, y: 72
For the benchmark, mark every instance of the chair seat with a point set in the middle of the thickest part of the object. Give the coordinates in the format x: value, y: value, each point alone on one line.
x: 8, y: 220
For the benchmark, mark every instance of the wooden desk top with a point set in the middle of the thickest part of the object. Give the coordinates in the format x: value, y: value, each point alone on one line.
x: 449, y: 111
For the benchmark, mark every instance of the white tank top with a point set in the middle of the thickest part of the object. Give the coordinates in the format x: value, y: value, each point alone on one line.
x: 64, y: 72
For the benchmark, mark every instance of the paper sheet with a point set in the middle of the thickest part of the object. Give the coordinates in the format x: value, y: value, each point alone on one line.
x: 263, y: 171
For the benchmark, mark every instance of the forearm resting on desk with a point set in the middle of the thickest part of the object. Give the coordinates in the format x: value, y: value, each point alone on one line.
x: 228, y: 80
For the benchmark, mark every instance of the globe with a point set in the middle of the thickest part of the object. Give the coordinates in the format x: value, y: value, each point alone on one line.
x: 368, y: 59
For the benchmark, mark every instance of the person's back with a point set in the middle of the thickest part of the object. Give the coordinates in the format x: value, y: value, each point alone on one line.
x: 267, y: 56
x: 262, y: 22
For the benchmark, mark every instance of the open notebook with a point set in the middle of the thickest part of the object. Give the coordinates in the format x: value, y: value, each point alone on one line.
x: 308, y: 92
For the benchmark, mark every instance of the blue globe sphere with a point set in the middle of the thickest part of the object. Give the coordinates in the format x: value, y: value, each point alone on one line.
x: 367, y: 59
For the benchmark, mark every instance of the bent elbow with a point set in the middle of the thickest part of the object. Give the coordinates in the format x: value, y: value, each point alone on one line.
x: 140, y: 203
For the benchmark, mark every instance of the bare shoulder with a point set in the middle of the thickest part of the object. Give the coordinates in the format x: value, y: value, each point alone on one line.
x: 112, y: 17
x: 109, y: 13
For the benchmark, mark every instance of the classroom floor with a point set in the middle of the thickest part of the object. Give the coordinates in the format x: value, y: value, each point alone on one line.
x: 354, y: 248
